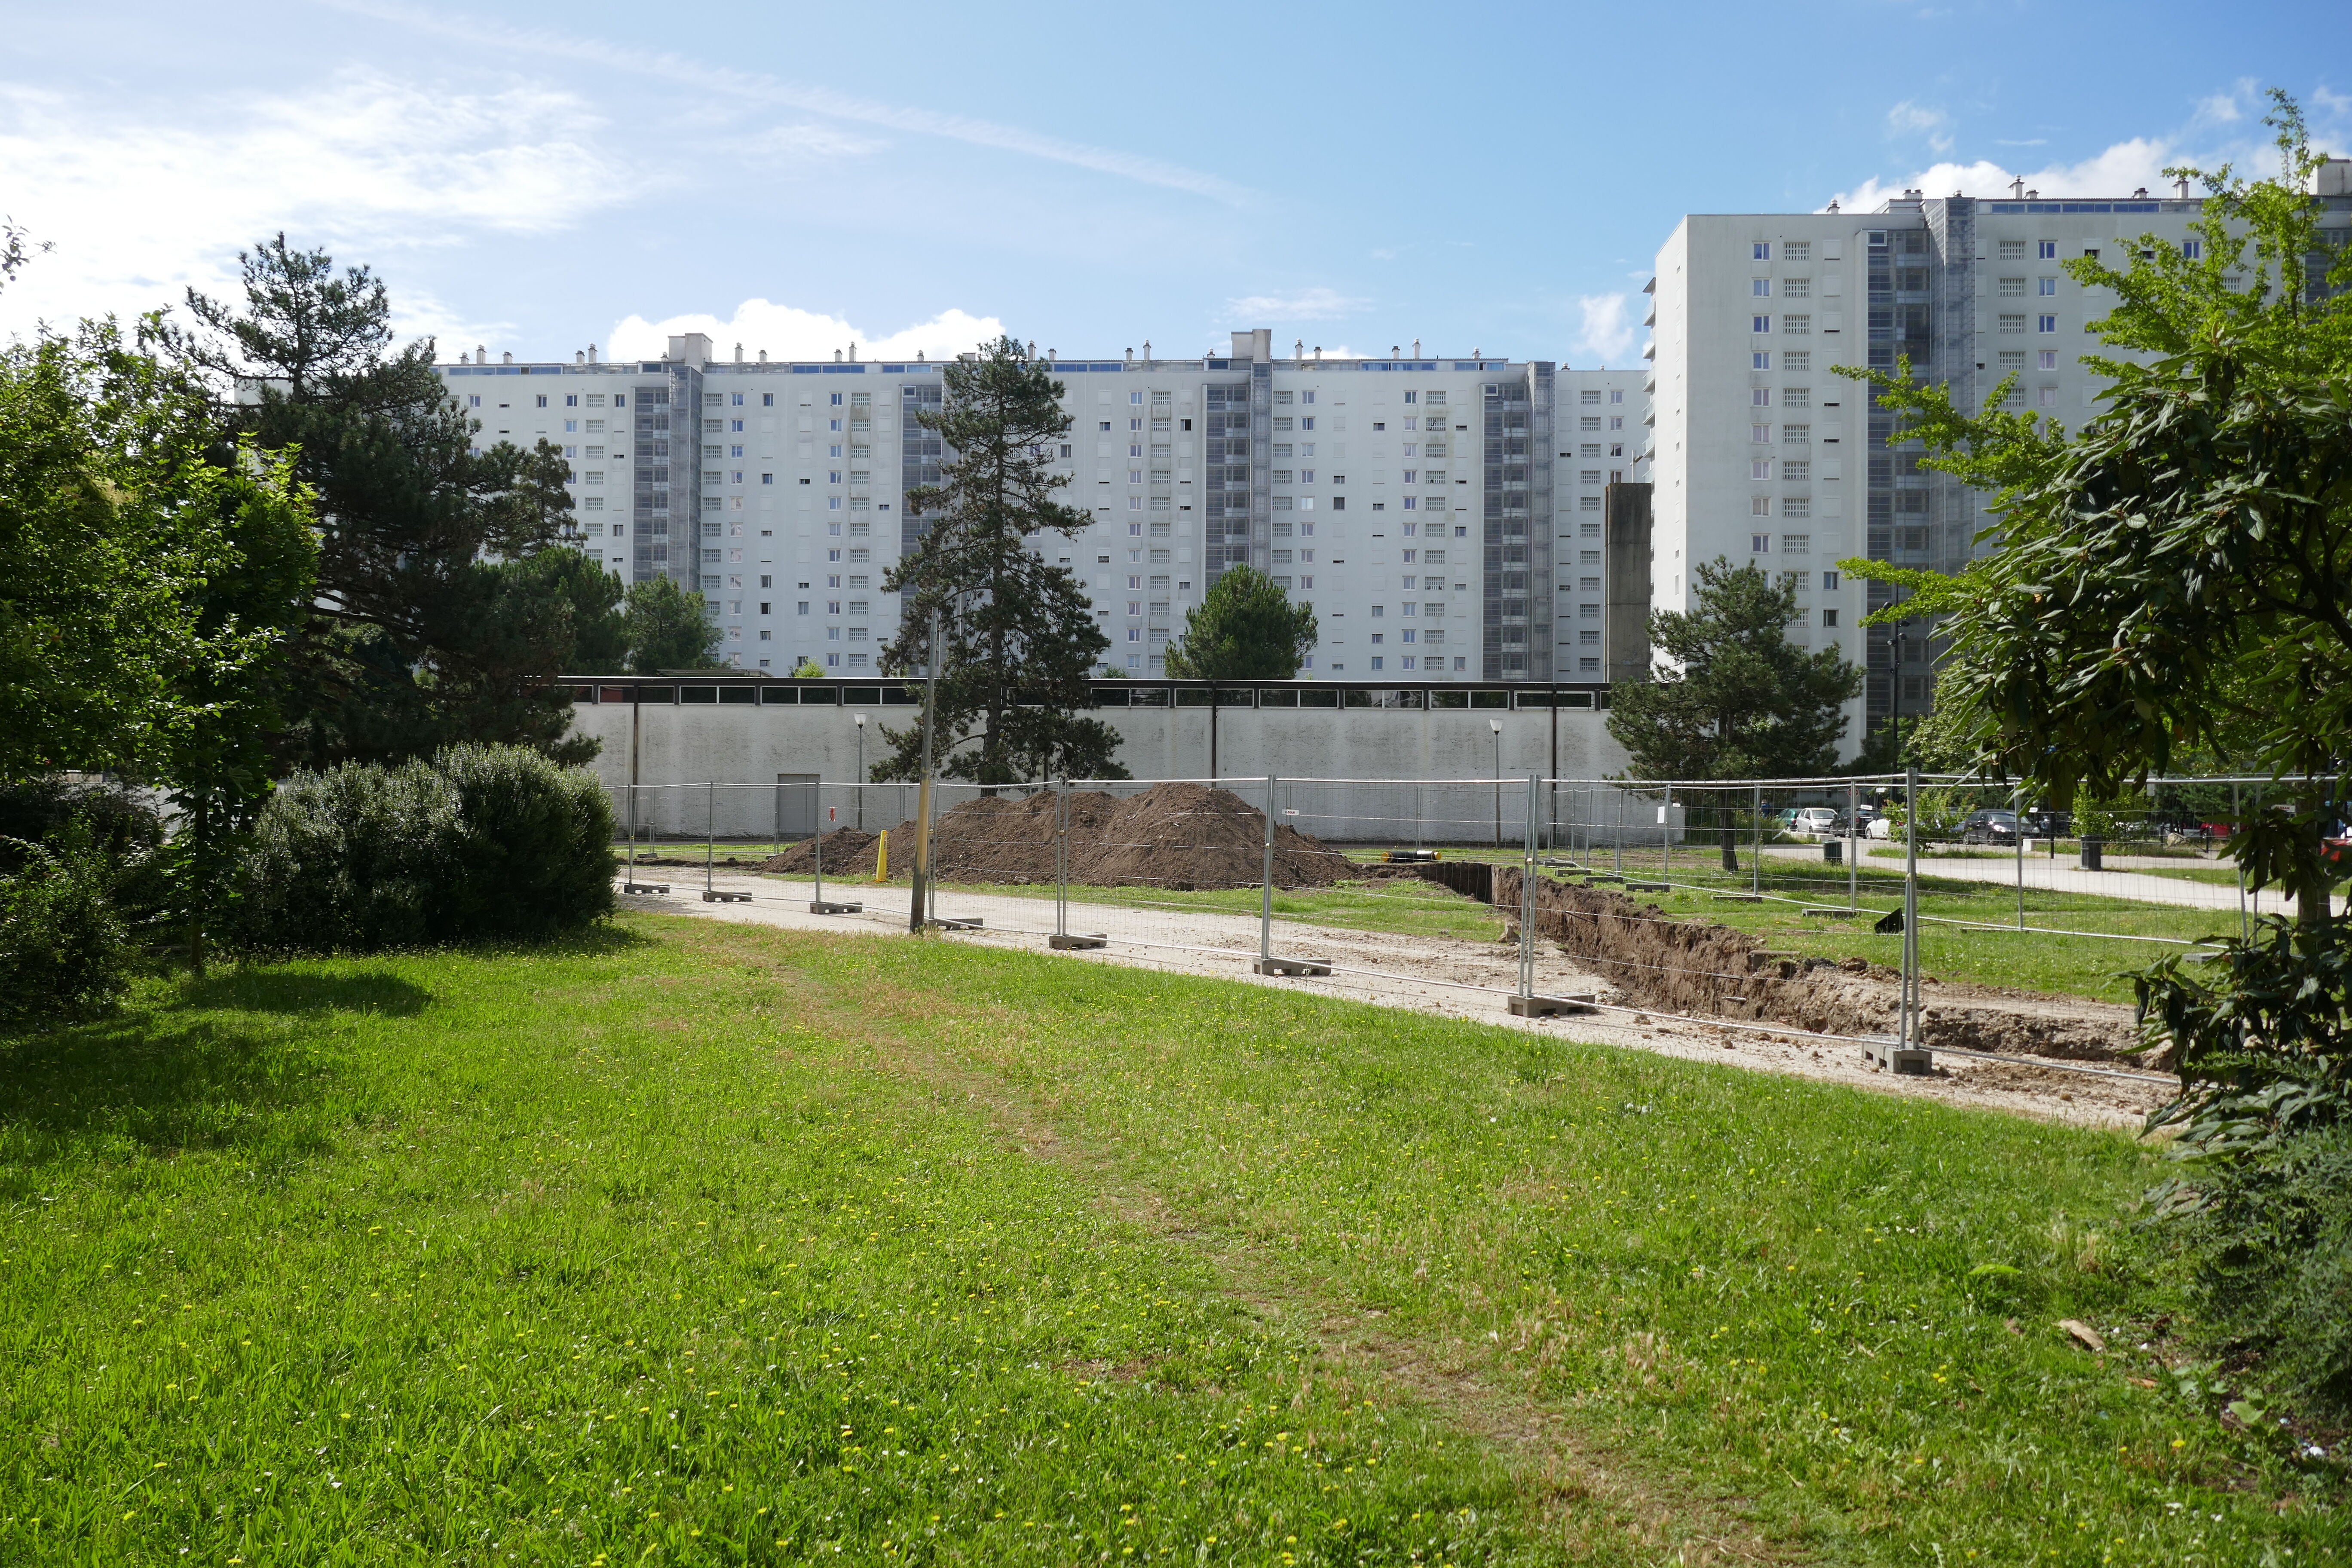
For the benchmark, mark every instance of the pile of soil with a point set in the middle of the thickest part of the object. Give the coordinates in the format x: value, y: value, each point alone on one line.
x: 1698, y: 968
x: 1181, y: 836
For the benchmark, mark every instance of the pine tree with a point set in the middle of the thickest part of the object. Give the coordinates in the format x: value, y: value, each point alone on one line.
x: 421, y: 633
x: 1246, y: 628
x: 1017, y: 642
x: 1730, y: 698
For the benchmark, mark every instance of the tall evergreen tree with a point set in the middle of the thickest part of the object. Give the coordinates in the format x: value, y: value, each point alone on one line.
x: 1017, y: 642
x: 1729, y: 697
x: 666, y: 627
x: 1244, y: 628
x: 423, y: 631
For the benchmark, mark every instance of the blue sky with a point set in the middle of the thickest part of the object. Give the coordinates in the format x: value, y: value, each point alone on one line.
x: 797, y: 177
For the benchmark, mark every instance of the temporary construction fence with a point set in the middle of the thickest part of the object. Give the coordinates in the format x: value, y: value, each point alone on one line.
x: 1567, y: 859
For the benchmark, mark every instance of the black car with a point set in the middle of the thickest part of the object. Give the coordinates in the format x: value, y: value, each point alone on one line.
x: 1989, y: 827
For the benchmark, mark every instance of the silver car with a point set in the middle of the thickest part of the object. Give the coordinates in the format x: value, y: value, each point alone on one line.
x: 1817, y: 821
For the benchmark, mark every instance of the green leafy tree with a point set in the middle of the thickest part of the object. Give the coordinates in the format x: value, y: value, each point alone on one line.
x: 1244, y: 628
x: 423, y: 632
x: 666, y: 627
x: 807, y: 670
x: 2169, y: 580
x: 1729, y: 697
x: 1017, y: 642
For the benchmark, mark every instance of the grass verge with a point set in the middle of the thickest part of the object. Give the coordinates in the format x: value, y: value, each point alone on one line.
x: 707, y: 1244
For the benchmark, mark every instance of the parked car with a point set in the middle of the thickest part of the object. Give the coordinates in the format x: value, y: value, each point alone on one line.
x: 1880, y: 825
x: 1989, y: 827
x: 1821, y: 821
x: 2040, y: 822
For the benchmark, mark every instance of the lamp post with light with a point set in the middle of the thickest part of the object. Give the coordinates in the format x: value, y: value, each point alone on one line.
x: 1496, y: 726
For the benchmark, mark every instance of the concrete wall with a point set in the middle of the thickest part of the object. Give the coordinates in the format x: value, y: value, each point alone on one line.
x: 745, y: 750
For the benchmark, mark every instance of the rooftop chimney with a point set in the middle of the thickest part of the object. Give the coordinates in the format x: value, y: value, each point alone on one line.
x: 738, y: 354
x: 1416, y: 348
x: 1256, y: 345
x: 506, y: 358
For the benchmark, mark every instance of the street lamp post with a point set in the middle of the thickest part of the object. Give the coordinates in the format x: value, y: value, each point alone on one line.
x: 1496, y: 725
x: 861, y: 771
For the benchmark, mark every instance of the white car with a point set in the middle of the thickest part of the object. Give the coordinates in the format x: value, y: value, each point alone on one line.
x: 1880, y: 827
x: 1817, y: 821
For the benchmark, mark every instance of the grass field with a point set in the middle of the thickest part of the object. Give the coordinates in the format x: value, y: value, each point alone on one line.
x: 701, y: 1243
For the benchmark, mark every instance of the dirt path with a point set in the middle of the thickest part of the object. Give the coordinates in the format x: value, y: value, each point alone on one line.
x: 1430, y: 974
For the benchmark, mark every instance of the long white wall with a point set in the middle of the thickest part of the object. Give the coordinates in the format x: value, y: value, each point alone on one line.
x: 747, y: 751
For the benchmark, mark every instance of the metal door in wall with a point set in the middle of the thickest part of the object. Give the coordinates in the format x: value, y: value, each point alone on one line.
x: 796, y: 804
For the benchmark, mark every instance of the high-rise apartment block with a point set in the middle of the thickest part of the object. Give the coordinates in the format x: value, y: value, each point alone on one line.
x: 1765, y: 454
x: 1443, y: 516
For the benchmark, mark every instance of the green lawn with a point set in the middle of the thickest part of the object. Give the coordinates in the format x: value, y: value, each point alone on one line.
x: 693, y: 1239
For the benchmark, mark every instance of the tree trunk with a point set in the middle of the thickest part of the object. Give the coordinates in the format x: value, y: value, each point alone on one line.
x: 2314, y: 911
x: 1730, y: 848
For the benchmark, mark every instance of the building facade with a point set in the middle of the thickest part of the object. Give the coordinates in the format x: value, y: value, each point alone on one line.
x: 1444, y: 517
x: 1764, y: 453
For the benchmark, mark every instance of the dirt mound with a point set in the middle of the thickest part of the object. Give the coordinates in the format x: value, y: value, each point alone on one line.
x: 1699, y: 968
x: 1180, y: 835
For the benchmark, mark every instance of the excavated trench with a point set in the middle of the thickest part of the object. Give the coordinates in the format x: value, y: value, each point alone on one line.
x: 1703, y: 969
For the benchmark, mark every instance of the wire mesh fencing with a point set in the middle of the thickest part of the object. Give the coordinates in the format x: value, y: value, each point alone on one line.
x: 1708, y: 900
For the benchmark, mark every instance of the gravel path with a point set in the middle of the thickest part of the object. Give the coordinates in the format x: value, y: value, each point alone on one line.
x: 1430, y: 974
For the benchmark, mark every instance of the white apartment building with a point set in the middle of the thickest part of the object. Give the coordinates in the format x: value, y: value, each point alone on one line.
x: 1763, y: 453
x: 1443, y: 516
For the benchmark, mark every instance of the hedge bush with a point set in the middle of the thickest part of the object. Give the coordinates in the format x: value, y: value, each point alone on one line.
x: 478, y: 843
x: 63, y: 955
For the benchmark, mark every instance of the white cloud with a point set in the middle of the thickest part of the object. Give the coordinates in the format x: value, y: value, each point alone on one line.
x: 1908, y: 119
x: 787, y: 333
x: 1608, y: 331
x: 755, y: 88
x: 140, y: 208
x: 2224, y: 128
x: 1317, y: 304
x: 2118, y: 171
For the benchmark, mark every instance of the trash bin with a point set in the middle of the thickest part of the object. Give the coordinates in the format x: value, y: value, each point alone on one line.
x: 2091, y: 847
x: 1833, y: 851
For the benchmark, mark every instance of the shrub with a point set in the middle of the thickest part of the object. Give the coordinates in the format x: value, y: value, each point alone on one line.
x: 2272, y: 1240
x: 62, y: 952
x: 481, y: 842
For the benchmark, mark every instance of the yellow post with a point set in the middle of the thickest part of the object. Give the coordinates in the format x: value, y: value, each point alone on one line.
x: 882, y: 856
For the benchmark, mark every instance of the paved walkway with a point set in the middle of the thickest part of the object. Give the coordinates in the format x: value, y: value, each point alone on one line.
x: 2124, y: 879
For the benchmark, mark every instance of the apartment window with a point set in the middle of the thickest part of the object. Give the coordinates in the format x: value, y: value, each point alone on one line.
x: 1759, y: 323
x: 2045, y: 250
x: 1798, y: 470
x: 1587, y: 397
x: 1760, y: 359
x: 2013, y: 359
x: 1797, y: 250
x: 1797, y: 359
x: 1760, y: 286
x: 2192, y: 250
x: 1760, y: 468
x: 1797, y: 544
x: 2046, y: 323
x: 2011, y: 288
x: 767, y: 400
x: 1796, y: 506
x: 572, y: 400
x: 2046, y: 286
x: 1796, y: 435
x: 1796, y: 397
x: 1797, y: 326
x: 1762, y: 435
x: 2012, y: 250
x: 2048, y: 359
x: 1759, y: 544
x: 543, y: 400
x: 835, y: 403
x: 1759, y: 506
x: 1763, y: 251
x: 2012, y: 323
x: 474, y: 400
x: 1796, y: 287
x: 1761, y: 396
x: 2049, y: 397
x: 1829, y: 617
